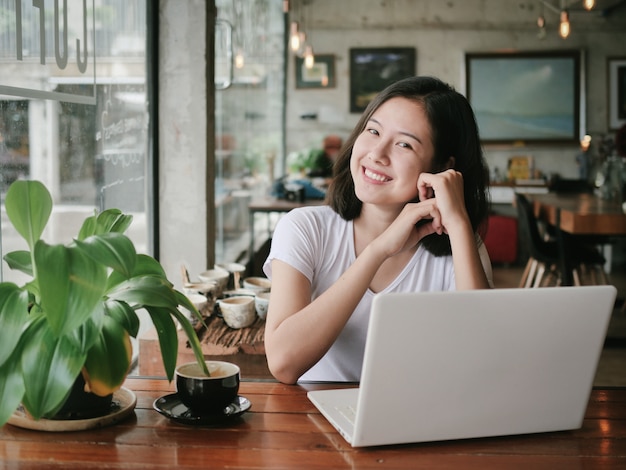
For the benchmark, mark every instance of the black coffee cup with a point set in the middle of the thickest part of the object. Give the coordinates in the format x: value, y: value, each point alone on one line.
x: 207, y: 394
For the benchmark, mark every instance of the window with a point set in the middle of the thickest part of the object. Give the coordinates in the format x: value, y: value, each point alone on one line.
x: 249, y: 108
x: 73, y: 110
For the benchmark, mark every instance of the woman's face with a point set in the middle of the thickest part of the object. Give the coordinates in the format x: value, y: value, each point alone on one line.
x: 392, y: 151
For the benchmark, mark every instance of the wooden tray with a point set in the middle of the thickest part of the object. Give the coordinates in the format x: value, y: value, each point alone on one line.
x: 124, y: 402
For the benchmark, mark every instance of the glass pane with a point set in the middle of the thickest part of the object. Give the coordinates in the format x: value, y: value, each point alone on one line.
x: 248, y: 115
x: 73, y: 111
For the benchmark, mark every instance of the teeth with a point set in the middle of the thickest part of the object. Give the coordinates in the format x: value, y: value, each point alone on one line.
x: 375, y: 176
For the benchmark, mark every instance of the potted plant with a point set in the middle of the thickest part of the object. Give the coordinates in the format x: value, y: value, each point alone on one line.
x: 305, y: 160
x: 74, y: 318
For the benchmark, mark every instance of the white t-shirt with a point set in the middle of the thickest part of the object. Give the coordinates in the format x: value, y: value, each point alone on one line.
x: 320, y: 244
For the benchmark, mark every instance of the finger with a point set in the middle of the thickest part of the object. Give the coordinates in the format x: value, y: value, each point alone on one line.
x: 424, y: 188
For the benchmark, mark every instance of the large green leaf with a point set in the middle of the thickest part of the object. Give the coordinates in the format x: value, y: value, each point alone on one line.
x: 88, y: 228
x: 168, y: 338
x: 145, y: 290
x: 124, y: 314
x: 113, y: 220
x: 194, y: 342
x: 20, y: 260
x: 110, y: 220
x: 184, y: 301
x: 11, y: 389
x: 28, y: 205
x: 144, y: 266
x: 50, y: 365
x: 111, y: 249
x: 87, y: 334
x: 71, y: 285
x: 108, y: 360
x: 13, y: 317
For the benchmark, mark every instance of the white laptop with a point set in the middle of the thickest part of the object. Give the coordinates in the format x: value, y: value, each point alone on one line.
x: 455, y: 365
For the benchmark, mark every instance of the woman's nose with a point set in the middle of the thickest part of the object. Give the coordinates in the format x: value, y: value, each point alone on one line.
x: 379, y: 154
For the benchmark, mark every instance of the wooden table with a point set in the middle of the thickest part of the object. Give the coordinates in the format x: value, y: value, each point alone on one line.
x: 283, y: 430
x: 268, y: 205
x: 580, y: 214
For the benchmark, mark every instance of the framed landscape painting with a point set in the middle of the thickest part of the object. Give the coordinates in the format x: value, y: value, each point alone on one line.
x: 321, y: 75
x: 525, y: 96
x: 373, y: 68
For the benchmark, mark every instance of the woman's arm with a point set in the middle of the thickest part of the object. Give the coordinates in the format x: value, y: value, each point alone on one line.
x: 298, y: 332
x: 445, y: 190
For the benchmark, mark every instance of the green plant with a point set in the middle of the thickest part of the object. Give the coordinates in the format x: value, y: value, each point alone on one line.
x: 77, y: 313
x: 305, y: 159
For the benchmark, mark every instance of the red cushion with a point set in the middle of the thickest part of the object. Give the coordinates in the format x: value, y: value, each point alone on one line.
x: 501, y: 239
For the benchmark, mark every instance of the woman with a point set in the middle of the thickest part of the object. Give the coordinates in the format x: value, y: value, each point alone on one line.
x: 404, y: 210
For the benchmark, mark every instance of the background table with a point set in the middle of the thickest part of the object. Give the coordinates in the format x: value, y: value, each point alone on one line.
x: 580, y: 214
x: 283, y: 430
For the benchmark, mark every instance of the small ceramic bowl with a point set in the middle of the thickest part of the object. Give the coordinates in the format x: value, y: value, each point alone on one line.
x: 236, y: 292
x: 238, y: 311
x: 261, y: 303
x: 257, y: 284
x: 236, y: 272
x: 218, y: 276
x: 207, y: 394
x: 203, y: 288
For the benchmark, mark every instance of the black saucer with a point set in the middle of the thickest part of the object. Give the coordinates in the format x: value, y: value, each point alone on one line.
x: 172, y: 407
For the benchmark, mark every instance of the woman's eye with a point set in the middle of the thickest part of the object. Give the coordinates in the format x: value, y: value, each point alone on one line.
x: 373, y: 131
x: 404, y: 145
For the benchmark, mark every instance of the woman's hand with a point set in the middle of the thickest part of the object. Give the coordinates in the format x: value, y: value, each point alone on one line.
x: 445, y: 190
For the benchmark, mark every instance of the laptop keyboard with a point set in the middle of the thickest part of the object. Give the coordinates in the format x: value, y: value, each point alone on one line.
x: 348, y: 412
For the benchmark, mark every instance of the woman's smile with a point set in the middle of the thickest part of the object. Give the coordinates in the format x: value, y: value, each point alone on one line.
x: 377, y: 177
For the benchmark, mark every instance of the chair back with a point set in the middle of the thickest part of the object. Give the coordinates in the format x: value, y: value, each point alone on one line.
x: 530, y: 227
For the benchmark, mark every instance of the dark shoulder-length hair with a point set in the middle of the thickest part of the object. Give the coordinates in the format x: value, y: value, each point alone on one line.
x: 455, y: 134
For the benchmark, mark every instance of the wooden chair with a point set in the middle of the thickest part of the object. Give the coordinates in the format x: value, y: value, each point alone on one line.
x: 550, y: 259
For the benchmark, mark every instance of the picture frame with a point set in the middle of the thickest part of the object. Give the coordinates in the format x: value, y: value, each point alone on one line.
x: 374, y: 68
x: 526, y: 97
x: 321, y: 75
x: 616, y: 99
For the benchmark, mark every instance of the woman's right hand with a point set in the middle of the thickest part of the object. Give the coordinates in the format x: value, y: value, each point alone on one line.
x: 416, y: 221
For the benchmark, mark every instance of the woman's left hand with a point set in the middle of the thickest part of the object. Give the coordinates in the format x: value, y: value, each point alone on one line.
x: 446, y: 188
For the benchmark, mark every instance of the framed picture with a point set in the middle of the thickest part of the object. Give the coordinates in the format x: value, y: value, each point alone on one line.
x: 372, y: 69
x: 526, y: 96
x: 321, y: 75
x: 616, y: 73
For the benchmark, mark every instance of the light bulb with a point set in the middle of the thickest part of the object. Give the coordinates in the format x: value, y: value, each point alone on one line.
x: 239, y: 60
x: 294, y: 37
x: 309, y: 59
x: 585, y: 142
x: 541, y: 22
x: 564, y: 26
x: 589, y: 4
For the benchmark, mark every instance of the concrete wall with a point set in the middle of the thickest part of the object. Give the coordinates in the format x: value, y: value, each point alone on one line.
x: 442, y: 32
x: 182, y: 137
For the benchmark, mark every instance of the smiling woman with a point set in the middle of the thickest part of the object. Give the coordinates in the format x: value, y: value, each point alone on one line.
x: 406, y: 205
